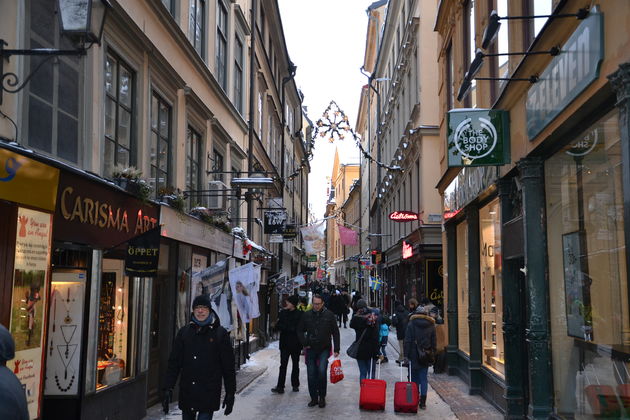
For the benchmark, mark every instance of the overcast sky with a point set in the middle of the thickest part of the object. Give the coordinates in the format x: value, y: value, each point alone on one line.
x: 326, y: 41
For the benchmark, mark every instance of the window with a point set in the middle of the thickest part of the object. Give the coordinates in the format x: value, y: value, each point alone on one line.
x: 470, y: 51
x: 217, y: 165
x: 491, y: 287
x: 238, y: 75
x: 197, y: 26
x: 450, y: 72
x: 119, y: 115
x: 52, y: 105
x: 235, y: 205
x: 221, y: 63
x: 160, y: 142
x: 193, y: 166
x: 462, y: 288
x: 588, y: 284
x: 540, y: 8
x: 503, y: 43
x: 170, y: 5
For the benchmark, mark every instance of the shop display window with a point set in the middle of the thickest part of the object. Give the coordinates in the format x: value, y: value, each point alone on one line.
x: 587, y: 272
x: 113, y: 342
x: 491, y: 292
x: 462, y: 288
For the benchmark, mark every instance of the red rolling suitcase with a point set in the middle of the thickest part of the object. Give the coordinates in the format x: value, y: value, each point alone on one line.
x: 373, y: 392
x: 406, y: 395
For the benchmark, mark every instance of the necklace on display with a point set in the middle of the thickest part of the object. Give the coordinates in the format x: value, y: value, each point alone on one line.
x: 54, y: 323
x: 66, y: 303
x: 66, y: 388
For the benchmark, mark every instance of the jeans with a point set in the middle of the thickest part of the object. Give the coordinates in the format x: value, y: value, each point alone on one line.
x: 201, y: 415
x: 364, y: 368
x: 401, y: 346
x: 316, y: 367
x: 294, y: 354
x: 419, y: 376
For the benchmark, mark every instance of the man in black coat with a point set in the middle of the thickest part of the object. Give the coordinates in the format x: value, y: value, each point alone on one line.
x: 203, y: 356
x: 315, y: 330
x: 290, y: 346
x: 400, y: 321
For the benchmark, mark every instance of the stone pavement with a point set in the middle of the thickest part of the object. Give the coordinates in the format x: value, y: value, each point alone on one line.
x: 455, y: 393
x: 257, y: 401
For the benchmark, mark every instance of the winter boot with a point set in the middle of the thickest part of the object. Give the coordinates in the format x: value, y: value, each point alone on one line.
x: 423, y: 402
x: 277, y: 390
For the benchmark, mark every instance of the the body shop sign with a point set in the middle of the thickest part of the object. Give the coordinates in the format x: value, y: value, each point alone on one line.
x: 568, y: 74
x: 478, y: 137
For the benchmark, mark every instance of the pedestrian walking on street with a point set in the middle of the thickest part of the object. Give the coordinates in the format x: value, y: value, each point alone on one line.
x: 12, y: 397
x: 315, y: 331
x: 338, y: 306
x: 400, y: 321
x: 420, y: 345
x: 383, y: 338
x: 203, y: 358
x: 346, y: 309
x: 290, y: 346
x: 365, y: 324
x: 412, y: 304
x: 304, y: 305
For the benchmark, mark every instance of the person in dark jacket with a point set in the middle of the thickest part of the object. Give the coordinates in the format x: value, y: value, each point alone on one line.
x: 400, y: 321
x: 13, y: 403
x: 290, y: 346
x: 420, y: 336
x: 316, y: 328
x: 346, y: 307
x: 337, y: 305
x: 202, y: 357
x: 365, y: 321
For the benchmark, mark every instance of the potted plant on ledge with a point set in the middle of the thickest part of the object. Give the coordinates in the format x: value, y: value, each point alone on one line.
x: 173, y: 197
x: 129, y: 179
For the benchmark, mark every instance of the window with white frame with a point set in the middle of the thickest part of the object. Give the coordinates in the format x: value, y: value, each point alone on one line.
x: 52, y: 102
x: 160, y: 142
x: 238, y: 74
x: 119, y: 113
x: 221, y: 62
x: 197, y: 25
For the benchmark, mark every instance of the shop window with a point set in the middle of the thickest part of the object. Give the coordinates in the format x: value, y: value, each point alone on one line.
x: 114, y: 329
x: 462, y: 288
x: 491, y: 295
x: 587, y: 271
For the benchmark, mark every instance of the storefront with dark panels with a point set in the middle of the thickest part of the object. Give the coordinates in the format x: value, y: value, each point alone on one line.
x: 537, y: 286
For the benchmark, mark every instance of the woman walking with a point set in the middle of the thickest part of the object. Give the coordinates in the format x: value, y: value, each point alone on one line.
x: 365, y: 324
x: 420, y: 346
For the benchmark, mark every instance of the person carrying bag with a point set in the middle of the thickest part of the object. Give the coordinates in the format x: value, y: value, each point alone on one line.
x: 366, y: 346
x: 420, y: 346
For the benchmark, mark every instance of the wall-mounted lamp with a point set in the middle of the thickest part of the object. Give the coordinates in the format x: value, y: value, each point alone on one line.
x: 81, y: 20
x: 405, y: 145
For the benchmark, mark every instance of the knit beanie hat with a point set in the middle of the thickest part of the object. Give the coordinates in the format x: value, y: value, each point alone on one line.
x: 293, y: 300
x: 361, y: 304
x: 202, y: 300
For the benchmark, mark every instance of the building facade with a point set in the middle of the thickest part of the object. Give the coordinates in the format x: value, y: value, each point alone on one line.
x: 537, y: 281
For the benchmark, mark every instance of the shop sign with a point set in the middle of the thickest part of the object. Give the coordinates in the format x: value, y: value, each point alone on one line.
x: 275, y: 221
x: 568, y: 74
x: 27, y: 181
x: 403, y: 216
x: 311, y: 258
x: 29, y: 303
x: 407, y: 250
x: 276, y: 239
x: 290, y: 232
x: 143, y: 253
x: 90, y: 213
x: 478, y: 137
x: 469, y: 183
x: 435, y: 282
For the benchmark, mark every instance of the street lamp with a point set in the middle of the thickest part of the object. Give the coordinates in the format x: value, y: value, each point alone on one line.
x: 82, y: 20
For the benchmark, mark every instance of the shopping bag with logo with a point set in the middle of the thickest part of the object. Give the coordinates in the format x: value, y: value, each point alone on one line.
x: 336, y: 372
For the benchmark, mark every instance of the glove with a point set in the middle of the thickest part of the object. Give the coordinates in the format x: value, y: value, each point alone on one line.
x: 228, y: 404
x: 166, y: 400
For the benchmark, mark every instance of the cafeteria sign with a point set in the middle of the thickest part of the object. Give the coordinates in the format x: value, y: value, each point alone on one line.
x: 478, y: 137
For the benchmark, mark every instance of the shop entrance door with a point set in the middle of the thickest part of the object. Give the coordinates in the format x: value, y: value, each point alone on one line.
x: 156, y: 368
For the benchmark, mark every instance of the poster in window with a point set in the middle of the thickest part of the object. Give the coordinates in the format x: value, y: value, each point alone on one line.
x: 212, y: 282
x: 28, y: 304
x: 577, y: 285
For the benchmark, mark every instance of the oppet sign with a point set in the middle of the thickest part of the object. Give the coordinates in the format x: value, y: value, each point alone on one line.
x: 478, y: 137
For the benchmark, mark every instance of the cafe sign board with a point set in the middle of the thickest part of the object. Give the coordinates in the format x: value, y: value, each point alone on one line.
x: 568, y: 74
x: 403, y: 216
x: 478, y: 137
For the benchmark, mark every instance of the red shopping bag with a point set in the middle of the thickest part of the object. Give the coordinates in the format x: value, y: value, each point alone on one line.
x: 336, y: 372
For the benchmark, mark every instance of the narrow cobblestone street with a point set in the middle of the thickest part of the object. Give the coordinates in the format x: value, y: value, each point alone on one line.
x: 255, y: 400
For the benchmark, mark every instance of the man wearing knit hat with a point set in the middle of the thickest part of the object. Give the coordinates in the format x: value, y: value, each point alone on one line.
x: 202, y: 356
x: 12, y: 398
x: 290, y: 346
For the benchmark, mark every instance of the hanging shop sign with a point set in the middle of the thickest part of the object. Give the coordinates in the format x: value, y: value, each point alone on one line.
x: 27, y: 181
x: 407, y: 250
x: 403, y: 216
x: 311, y: 258
x: 143, y: 253
x: 276, y: 239
x: 478, y: 137
x: 290, y: 232
x: 568, y: 74
x: 275, y: 221
x: 91, y: 213
x: 29, y: 302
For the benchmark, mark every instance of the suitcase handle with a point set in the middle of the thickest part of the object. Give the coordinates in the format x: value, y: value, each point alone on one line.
x: 408, y: 371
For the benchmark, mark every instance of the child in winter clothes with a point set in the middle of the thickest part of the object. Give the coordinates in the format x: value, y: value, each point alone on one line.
x: 383, y: 334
